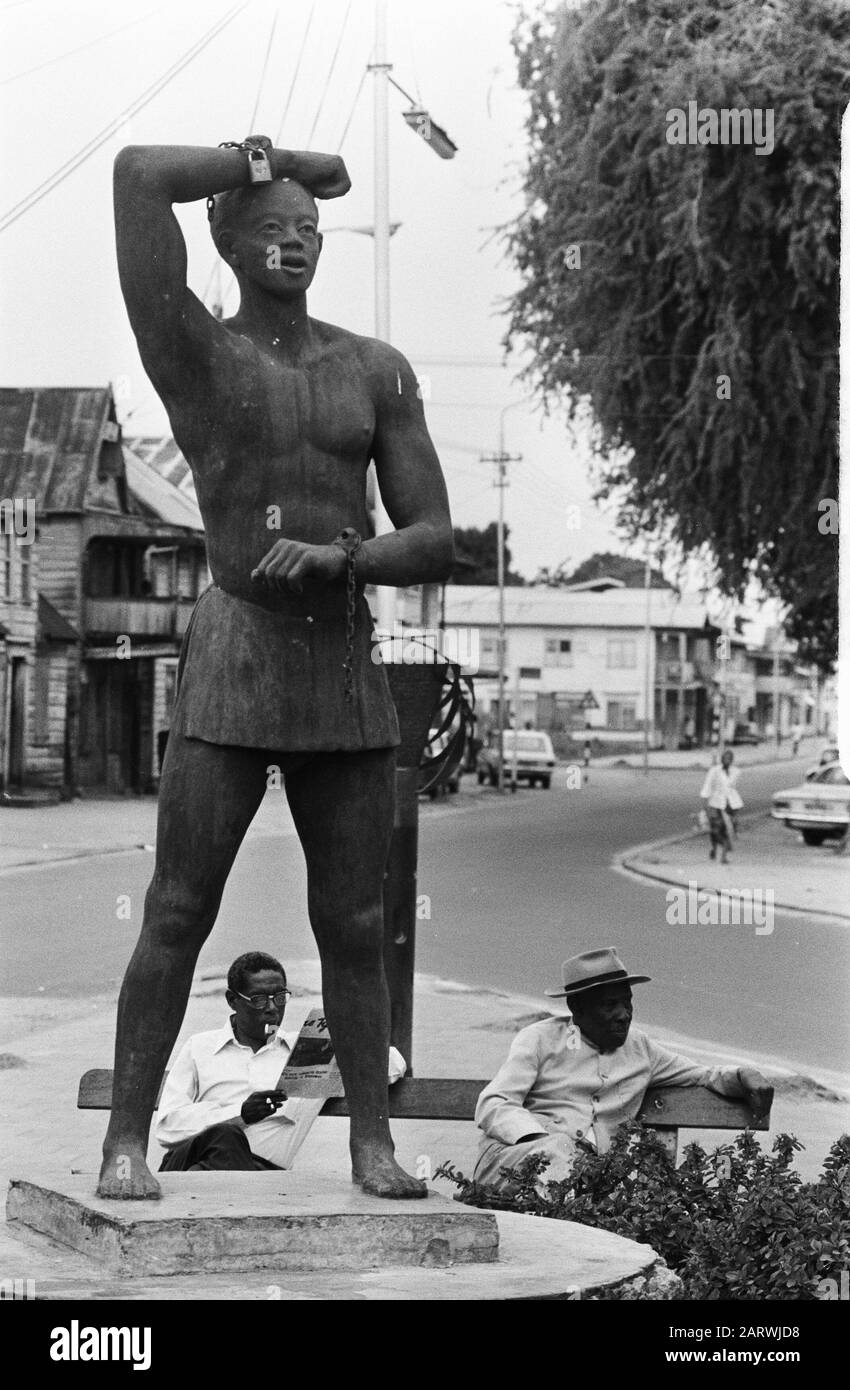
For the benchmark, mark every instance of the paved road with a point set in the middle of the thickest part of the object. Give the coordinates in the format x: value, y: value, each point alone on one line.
x: 514, y: 886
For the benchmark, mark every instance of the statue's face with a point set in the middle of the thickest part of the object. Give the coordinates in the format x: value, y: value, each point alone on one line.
x: 275, y: 239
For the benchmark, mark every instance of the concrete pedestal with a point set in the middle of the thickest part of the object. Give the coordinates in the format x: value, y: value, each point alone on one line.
x: 217, y: 1222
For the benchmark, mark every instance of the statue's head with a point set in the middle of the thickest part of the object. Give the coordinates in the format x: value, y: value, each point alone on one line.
x: 269, y: 233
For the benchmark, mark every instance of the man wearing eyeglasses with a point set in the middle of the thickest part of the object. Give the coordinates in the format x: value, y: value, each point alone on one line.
x: 220, y: 1107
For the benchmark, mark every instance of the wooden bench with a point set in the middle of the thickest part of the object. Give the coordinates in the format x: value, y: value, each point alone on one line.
x: 666, y: 1109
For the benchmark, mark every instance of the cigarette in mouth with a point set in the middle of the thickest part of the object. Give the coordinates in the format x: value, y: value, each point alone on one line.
x: 271, y: 1028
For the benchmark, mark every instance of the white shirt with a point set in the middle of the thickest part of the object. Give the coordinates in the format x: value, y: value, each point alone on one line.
x: 719, y: 788
x: 213, y: 1074
x: 556, y: 1082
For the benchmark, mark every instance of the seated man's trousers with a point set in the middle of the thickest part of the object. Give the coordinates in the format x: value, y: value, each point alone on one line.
x: 224, y: 1146
x: 558, y: 1148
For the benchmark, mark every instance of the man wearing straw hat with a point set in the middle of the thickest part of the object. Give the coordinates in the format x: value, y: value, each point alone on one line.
x: 578, y: 1077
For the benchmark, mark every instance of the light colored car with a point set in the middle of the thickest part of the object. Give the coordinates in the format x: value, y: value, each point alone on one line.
x: 746, y: 733
x: 535, y: 758
x: 819, y: 807
x: 829, y: 755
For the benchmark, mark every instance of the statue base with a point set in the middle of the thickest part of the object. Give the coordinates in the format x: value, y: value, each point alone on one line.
x: 219, y: 1222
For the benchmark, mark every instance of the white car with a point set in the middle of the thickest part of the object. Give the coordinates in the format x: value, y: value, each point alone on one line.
x: 829, y: 755
x: 819, y: 808
x: 535, y: 758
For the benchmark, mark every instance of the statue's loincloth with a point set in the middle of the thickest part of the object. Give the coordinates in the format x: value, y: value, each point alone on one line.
x: 259, y: 678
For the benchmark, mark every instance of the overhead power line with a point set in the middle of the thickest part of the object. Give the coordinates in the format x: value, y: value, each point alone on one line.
x: 288, y: 102
x: 262, y: 76
x: 60, y: 57
x: 65, y: 170
x: 331, y: 70
x: 215, y: 268
x: 353, y: 108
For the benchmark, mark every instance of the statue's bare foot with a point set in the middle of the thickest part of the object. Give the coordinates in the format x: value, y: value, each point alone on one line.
x: 126, y: 1175
x: 375, y: 1170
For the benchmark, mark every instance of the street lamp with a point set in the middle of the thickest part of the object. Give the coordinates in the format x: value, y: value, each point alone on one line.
x: 419, y: 120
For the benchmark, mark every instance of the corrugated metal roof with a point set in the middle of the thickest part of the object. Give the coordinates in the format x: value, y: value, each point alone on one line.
x: 163, y: 454
x: 50, y: 442
x: 541, y: 606
x: 169, y: 503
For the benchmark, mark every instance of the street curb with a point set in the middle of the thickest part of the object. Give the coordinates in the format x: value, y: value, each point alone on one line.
x: 628, y: 862
x: 30, y: 864
x: 619, y: 764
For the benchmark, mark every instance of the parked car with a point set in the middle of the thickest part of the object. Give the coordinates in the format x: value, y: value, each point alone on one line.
x: 828, y: 755
x: 819, y: 807
x: 746, y: 733
x: 535, y: 758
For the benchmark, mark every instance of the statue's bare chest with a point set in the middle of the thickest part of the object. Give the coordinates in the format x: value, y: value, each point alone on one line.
x: 273, y: 408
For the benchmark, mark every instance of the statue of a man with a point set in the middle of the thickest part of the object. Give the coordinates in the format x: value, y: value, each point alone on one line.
x: 279, y: 416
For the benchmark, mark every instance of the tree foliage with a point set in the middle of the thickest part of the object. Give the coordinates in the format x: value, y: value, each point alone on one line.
x: 697, y: 262
x: 735, y: 1223
x: 477, y: 554
x: 602, y: 566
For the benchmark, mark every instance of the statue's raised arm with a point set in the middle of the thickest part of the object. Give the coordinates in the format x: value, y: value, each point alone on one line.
x: 171, y: 325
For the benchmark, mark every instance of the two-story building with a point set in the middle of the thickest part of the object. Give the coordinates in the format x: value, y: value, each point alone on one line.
x: 597, y: 655
x: 614, y: 660
x: 121, y: 560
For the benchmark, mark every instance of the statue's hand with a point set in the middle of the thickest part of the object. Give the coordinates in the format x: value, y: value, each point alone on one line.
x: 289, y: 564
x: 325, y: 175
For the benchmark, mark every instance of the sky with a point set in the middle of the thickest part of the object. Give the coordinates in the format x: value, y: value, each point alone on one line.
x: 68, y: 70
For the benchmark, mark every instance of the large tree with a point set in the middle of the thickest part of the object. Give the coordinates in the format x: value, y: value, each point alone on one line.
x: 477, y: 556
x: 605, y: 565
x: 688, y: 293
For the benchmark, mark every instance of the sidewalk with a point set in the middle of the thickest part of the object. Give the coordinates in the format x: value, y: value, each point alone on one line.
x: 694, y: 759
x: 78, y: 829
x: 804, y: 878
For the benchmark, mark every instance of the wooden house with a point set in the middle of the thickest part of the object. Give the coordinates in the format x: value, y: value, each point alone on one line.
x: 120, y: 560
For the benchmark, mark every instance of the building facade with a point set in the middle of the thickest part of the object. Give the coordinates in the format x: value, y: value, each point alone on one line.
x: 616, y: 661
x: 120, y: 560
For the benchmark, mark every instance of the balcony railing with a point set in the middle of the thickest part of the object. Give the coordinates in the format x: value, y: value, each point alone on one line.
x: 137, y: 617
x: 675, y: 673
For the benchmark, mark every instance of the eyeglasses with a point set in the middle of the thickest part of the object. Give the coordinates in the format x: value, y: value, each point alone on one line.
x: 258, y: 1001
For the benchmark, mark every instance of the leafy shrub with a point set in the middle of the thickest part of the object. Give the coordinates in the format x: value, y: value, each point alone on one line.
x: 737, y: 1223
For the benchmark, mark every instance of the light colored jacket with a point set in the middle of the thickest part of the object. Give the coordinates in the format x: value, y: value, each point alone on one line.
x: 556, y: 1082
x: 720, y: 790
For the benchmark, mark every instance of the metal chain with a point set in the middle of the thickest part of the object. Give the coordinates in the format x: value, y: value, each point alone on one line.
x: 251, y: 142
x: 350, y: 614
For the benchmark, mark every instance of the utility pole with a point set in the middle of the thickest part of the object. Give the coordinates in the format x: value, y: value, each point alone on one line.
x: 501, y: 459
x: 400, y: 876
x: 647, y: 657
x: 727, y: 656
x: 776, y: 691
